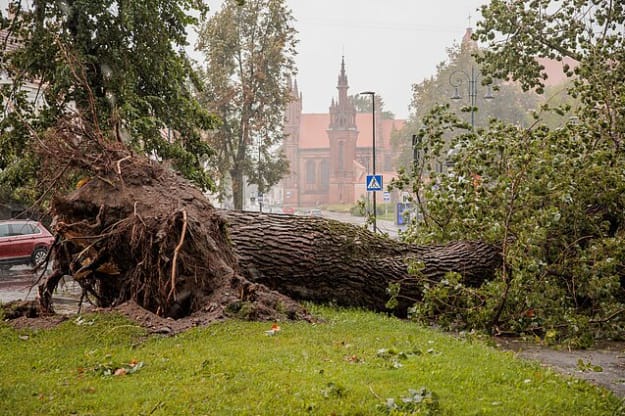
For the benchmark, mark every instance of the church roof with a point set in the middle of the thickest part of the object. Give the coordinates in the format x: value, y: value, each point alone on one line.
x: 554, y: 69
x: 313, y: 131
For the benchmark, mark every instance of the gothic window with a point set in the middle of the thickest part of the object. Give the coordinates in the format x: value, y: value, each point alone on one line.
x: 388, y: 163
x: 340, y: 156
x: 366, y: 162
x: 311, y: 175
x: 324, y: 173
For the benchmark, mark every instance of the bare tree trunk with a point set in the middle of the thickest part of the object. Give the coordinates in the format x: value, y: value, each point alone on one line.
x: 236, y: 175
x: 325, y: 260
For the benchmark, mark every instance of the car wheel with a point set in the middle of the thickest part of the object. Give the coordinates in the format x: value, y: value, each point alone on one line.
x: 39, y: 255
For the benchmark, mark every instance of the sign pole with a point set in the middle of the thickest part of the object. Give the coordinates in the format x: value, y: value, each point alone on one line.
x: 372, y: 94
x: 375, y: 212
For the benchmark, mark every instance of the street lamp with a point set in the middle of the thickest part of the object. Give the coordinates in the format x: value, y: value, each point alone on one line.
x: 372, y: 94
x: 260, y: 180
x: 457, y: 78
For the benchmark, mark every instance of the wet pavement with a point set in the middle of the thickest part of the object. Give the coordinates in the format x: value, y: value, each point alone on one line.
x: 18, y: 283
x: 383, y: 226
x: 603, y: 364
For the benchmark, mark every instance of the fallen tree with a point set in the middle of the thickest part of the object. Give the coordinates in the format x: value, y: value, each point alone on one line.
x: 134, y: 230
x: 324, y: 260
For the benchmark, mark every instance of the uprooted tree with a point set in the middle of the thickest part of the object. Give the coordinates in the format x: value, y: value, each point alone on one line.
x: 136, y: 230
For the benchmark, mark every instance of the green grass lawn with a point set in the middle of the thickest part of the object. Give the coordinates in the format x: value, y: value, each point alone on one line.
x: 349, y: 365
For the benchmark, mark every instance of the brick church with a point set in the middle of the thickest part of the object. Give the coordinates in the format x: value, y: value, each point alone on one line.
x: 330, y: 154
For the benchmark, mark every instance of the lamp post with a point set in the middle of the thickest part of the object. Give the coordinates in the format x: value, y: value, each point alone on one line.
x: 457, y: 78
x: 372, y: 94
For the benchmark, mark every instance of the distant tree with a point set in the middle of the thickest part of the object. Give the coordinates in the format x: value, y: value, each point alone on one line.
x: 120, y: 65
x: 363, y: 105
x: 453, y: 78
x: 588, y: 31
x: 249, y: 52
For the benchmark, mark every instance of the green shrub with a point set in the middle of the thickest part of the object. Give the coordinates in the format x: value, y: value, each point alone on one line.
x: 555, y: 199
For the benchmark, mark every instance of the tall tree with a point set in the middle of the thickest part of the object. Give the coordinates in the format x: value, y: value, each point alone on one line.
x: 591, y: 32
x: 249, y: 51
x: 456, y: 79
x: 120, y: 64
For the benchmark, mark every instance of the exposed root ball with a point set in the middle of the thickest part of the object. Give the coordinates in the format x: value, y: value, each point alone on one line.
x: 143, y: 233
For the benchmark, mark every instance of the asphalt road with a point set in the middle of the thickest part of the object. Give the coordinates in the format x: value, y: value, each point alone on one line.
x: 19, y: 283
x: 383, y: 226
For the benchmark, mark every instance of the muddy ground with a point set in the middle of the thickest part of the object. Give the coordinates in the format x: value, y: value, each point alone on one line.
x: 603, y: 365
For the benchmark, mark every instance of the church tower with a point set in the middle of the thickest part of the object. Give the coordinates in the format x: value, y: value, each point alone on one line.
x: 342, y: 133
x: 292, y: 121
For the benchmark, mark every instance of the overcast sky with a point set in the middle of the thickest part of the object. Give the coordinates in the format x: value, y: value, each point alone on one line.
x: 388, y: 45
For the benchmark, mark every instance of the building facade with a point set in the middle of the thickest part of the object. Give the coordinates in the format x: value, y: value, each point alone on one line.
x: 330, y: 154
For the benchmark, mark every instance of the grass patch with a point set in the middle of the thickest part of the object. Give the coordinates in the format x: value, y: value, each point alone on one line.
x: 350, y: 365
x: 344, y: 208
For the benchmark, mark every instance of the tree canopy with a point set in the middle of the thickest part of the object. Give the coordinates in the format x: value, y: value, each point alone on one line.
x: 551, y: 191
x: 474, y: 96
x: 249, y: 51
x: 120, y: 66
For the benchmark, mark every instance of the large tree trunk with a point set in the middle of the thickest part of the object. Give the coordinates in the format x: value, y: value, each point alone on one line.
x: 325, y: 260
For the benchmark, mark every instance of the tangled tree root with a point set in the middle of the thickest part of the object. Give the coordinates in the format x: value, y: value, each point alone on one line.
x: 140, y: 232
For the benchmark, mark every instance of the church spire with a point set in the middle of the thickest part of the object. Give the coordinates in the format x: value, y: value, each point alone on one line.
x: 342, y: 84
x: 467, y: 40
x: 342, y: 111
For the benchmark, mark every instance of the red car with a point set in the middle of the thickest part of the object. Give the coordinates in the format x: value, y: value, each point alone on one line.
x: 23, y: 242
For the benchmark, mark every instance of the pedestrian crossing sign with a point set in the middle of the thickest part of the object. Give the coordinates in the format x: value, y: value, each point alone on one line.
x: 374, y: 182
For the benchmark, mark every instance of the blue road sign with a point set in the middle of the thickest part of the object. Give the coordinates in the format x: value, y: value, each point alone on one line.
x: 374, y: 182
x: 403, y: 213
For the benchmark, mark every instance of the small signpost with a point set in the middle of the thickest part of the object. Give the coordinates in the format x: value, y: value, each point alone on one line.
x: 374, y: 183
x: 387, y: 197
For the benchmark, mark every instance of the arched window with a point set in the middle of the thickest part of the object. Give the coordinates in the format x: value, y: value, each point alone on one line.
x: 340, y: 165
x: 324, y: 173
x: 388, y: 162
x: 311, y: 175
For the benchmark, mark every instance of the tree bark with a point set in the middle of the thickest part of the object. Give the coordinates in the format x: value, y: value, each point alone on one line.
x: 324, y: 260
x: 236, y: 175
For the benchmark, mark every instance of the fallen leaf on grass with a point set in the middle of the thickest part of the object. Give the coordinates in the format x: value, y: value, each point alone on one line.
x: 119, y: 370
x: 275, y: 328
